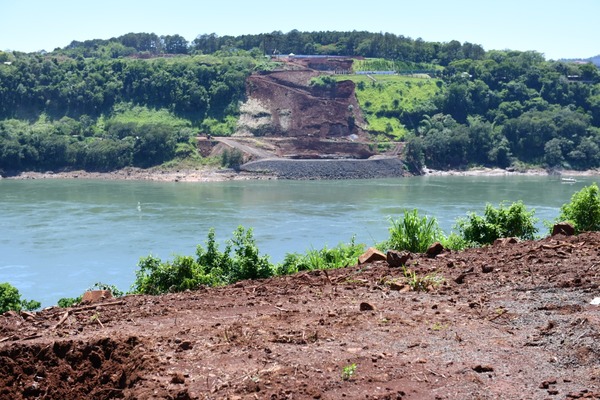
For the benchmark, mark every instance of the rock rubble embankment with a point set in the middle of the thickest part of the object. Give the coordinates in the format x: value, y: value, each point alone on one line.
x: 327, y: 169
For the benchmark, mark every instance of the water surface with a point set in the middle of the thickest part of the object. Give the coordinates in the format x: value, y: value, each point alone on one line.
x: 59, y: 237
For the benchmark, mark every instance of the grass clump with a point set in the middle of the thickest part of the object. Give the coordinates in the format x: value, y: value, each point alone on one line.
x: 421, y: 283
x: 413, y: 233
x: 343, y: 255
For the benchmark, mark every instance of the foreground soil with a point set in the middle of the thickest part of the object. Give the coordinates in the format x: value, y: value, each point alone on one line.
x: 509, y: 321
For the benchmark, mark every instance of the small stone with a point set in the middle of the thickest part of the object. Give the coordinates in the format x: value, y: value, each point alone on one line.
x: 371, y: 255
x: 396, y: 286
x: 187, y: 345
x: 94, y: 296
x: 486, y: 269
x: 177, y: 378
x: 505, y: 241
x: 482, y: 368
x: 546, y: 384
x: 563, y: 228
x: 434, y: 250
x: 366, y: 307
x: 397, y: 259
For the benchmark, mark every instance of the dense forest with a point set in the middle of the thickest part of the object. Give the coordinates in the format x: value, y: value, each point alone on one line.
x: 139, y: 100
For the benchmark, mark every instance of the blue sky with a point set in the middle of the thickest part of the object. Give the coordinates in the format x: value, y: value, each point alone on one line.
x: 557, y: 28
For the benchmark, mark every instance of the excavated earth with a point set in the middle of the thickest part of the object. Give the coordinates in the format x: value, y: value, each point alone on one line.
x: 509, y: 321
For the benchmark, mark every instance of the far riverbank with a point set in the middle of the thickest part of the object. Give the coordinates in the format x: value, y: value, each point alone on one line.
x: 209, y: 174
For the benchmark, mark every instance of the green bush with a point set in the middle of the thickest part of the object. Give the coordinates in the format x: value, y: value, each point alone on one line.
x: 323, y: 82
x: 584, y: 210
x: 454, y: 241
x: 514, y: 221
x: 413, y: 233
x: 240, y: 260
x: 10, y: 299
x: 157, y: 277
x: 232, y: 158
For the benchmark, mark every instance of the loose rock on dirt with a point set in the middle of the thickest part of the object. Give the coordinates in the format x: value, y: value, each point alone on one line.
x: 524, y: 330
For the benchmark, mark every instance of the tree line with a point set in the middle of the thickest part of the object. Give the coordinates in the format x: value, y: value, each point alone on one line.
x: 58, y: 112
x: 354, y: 43
x: 101, y: 105
x: 509, y: 108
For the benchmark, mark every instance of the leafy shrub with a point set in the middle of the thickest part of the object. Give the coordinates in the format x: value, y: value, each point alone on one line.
x: 157, y: 277
x: 454, y: 241
x: 232, y: 158
x: 413, y: 233
x: 10, y: 299
x: 323, y: 82
x: 497, y: 223
x: 246, y: 262
x: 584, y: 209
x: 240, y: 260
x: 67, y: 302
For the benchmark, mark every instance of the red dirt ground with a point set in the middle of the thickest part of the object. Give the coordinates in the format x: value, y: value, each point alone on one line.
x: 511, y: 321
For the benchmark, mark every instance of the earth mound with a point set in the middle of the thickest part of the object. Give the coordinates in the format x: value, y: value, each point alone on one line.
x: 511, y: 321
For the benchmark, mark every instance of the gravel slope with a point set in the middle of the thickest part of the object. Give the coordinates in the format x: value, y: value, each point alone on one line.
x: 327, y: 169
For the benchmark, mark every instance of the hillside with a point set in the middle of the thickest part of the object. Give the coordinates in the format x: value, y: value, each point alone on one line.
x: 513, y: 320
x: 141, y: 100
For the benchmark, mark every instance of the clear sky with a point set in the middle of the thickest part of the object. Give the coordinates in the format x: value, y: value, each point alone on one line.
x: 557, y: 28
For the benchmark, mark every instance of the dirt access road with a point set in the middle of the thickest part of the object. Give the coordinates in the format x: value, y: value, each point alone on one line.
x: 511, y: 321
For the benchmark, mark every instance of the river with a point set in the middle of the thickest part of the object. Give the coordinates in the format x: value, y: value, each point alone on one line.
x: 59, y: 237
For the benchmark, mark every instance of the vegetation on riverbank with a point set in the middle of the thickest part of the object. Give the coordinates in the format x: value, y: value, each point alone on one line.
x: 63, y: 109
x: 241, y: 258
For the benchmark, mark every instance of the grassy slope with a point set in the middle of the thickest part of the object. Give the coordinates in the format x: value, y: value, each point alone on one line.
x: 390, y: 92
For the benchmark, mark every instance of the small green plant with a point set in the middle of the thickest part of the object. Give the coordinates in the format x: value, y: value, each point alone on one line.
x: 454, y: 241
x: 583, y: 211
x: 438, y: 326
x: 500, y: 222
x: 67, y: 302
x: 10, y: 299
x: 421, y: 283
x: 348, y: 372
x: 413, y: 233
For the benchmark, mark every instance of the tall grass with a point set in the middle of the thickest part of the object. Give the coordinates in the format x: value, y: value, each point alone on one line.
x: 413, y: 233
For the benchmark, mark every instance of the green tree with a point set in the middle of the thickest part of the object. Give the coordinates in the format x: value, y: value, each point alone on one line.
x: 175, y: 44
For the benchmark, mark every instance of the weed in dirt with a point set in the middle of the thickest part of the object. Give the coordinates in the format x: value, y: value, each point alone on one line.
x: 438, y: 326
x: 422, y: 283
x: 348, y: 372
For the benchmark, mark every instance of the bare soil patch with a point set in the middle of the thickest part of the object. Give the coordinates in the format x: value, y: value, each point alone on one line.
x: 512, y: 321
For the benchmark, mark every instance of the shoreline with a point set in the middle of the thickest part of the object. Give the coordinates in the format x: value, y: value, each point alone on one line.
x: 223, y: 175
x: 140, y: 174
x: 504, y: 172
